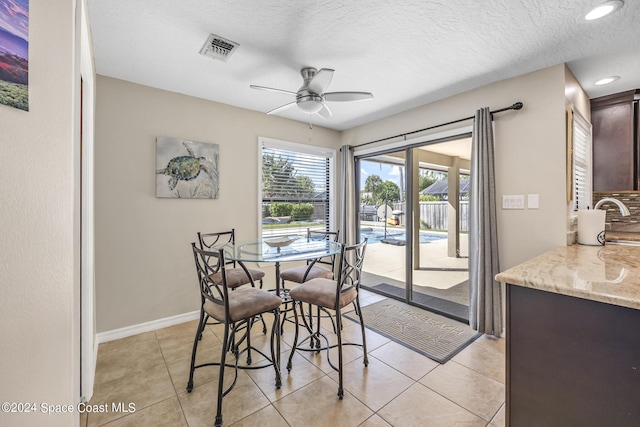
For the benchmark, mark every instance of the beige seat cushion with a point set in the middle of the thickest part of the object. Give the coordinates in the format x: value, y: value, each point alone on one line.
x: 243, y: 304
x: 237, y: 276
x: 297, y: 274
x: 322, y: 292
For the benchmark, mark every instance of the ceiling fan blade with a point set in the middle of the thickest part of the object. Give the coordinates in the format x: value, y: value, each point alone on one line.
x: 347, y: 96
x: 282, y: 108
x: 325, y: 112
x: 320, y: 82
x: 270, y: 89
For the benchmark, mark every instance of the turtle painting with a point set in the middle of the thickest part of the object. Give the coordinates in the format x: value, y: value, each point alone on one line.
x: 199, y: 171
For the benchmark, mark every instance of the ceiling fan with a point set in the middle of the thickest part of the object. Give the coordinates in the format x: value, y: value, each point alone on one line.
x: 311, y: 96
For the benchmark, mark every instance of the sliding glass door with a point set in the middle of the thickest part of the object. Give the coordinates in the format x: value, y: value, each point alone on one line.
x: 413, y: 207
x: 440, y: 270
x: 382, y: 206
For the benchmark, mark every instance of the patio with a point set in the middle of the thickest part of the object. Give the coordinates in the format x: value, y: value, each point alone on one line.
x: 439, y: 275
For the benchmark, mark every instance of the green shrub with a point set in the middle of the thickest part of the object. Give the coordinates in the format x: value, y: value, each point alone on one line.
x: 429, y: 198
x: 281, y: 209
x: 424, y: 225
x: 302, y: 212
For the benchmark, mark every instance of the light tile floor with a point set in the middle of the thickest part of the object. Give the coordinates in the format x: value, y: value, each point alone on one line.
x: 399, y: 387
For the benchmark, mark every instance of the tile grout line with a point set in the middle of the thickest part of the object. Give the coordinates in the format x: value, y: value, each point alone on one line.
x: 455, y: 403
x: 484, y: 345
x: 148, y: 406
x: 166, y: 366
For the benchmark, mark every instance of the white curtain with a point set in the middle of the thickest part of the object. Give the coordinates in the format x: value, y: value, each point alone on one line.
x: 347, y: 222
x: 485, y: 302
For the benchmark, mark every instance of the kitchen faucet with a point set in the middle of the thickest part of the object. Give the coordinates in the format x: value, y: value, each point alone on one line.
x: 623, y: 209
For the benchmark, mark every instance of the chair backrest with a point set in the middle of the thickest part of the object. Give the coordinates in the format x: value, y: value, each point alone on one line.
x: 350, y: 272
x: 208, y: 265
x: 331, y: 236
x: 216, y: 240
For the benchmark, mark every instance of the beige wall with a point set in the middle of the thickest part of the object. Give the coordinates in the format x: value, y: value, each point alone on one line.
x: 576, y: 96
x: 38, y: 313
x: 529, y: 148
x: 144, y: 267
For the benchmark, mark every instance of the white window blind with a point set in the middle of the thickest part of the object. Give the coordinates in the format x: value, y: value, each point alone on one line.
x: 581, y: 162
x: 295, y: 187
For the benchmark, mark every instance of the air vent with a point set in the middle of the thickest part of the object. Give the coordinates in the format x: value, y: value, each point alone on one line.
x: 217, y: 47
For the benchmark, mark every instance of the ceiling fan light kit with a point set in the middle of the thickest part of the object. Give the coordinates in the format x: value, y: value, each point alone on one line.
x: 310, y: 102
x: 311, y: 98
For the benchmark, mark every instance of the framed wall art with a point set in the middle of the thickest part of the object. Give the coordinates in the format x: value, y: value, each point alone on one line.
x: 186, y: 169
x: 14, y: 53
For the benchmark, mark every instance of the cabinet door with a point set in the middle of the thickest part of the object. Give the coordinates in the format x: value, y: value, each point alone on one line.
x: 614, y: 151
x: 570, y: 361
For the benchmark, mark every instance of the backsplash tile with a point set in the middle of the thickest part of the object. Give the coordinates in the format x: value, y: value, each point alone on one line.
x: 614, y: 219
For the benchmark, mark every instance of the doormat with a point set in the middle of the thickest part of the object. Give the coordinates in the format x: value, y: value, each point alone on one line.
x: 437, y: 305
x: 437, y: 337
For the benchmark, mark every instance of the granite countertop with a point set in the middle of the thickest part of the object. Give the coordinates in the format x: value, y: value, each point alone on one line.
x: 609, y: 274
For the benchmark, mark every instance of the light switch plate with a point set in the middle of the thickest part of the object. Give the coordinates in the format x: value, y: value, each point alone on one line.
x: 513, y: 201
x: 533, y: 201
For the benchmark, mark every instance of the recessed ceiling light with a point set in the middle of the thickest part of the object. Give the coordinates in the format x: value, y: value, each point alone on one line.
x: 603, y: 9
x: 607, y: 80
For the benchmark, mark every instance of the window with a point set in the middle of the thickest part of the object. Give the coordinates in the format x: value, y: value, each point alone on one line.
x: 295, y: 188
x: 581, y: 142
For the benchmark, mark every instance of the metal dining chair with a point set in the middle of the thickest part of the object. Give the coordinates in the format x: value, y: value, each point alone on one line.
x: 233, y: 309
x: 333, y: 295
x: 314, y: 269
x: 236, y: 276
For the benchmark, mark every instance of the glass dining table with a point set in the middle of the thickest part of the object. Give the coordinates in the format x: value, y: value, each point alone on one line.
x: 281, y: 249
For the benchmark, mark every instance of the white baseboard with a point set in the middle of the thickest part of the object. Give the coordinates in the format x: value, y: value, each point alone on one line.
x: 95, y: 352
x: 146, y: 327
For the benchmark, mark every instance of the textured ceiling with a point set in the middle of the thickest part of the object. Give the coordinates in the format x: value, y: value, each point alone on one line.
x: 407, y: 53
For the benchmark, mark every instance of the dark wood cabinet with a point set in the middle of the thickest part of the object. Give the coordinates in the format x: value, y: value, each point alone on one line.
x: 616, y: 141
x: 571, y: 361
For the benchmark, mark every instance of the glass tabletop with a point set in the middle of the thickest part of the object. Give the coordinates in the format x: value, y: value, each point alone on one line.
x: 281, y: 249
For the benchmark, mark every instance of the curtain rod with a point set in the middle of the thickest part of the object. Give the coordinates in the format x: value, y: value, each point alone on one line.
x: 516, y: 106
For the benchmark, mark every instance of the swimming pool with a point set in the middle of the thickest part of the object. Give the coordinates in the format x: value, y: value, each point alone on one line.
x: 375, y: 235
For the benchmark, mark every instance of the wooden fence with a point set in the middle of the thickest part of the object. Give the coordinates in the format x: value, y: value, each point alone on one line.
x: 433, y: 215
